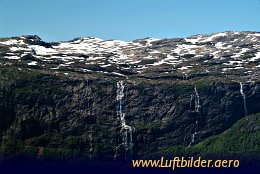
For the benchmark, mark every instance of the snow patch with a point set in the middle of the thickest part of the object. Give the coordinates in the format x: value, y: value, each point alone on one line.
x: 33, y: 63
x: 40, y: 50
x: 12, y: 57
x: 257, y: 56
x: 215, y: 36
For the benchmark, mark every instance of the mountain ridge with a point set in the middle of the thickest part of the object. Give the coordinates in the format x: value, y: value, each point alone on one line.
x: 221, y: 54
x: 114, y: 100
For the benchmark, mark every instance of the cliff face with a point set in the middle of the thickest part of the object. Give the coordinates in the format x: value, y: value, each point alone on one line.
x: 83, y: 115
x: 111, y: 100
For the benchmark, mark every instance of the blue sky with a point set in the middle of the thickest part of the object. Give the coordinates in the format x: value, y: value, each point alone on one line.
x: 55, y: 20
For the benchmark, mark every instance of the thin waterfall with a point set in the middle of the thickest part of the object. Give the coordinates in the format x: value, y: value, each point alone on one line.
x: 244, y: 98
x: 88, y: 97
x: 91, y: 144
x: 119, y: 97
x: 126, y: 131
x: 196, y: 98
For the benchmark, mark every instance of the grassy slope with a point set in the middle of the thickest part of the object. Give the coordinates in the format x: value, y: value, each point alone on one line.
x: 241, y: 141
x: 241, y: 138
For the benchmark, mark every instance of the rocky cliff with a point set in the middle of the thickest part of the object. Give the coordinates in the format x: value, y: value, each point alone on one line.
x: 112, y: 100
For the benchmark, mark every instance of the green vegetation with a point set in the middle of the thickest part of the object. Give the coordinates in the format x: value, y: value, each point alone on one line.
x: 11, y: 73
x: 176, y: 88
x: 45, y: 146
x: 152, y: 127
x: 40, y: 141
x: 241, y: 140
x: 201, y: 84
x: 10, y: 146
x: 59, y: 153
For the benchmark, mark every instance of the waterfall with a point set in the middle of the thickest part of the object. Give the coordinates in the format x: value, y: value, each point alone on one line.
x: 126, y: 131
x: 192, y: 139
x: 88, y: 91
x: 91, y: 144
x: 88, y: 136
x: 196, y: 98
x: 194, y: 134
x: 244, y: 98
x: 119, y: 97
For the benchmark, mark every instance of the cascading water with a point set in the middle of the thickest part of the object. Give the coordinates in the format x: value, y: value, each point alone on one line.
x: 91, y: 144
x: 88, y: 97
x: 126, y: 131
x: 196, y: 98
x: 244, y: 98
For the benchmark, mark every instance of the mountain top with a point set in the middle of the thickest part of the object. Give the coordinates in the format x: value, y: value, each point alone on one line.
x: 232, y: 55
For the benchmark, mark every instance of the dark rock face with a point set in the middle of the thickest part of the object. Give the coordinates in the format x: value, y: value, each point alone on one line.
x: 64, y: 99
x: 162, y: 114
x: 7, y: 113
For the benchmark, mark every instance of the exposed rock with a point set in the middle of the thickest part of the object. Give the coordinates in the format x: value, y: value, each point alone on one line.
x: 60, y: 98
